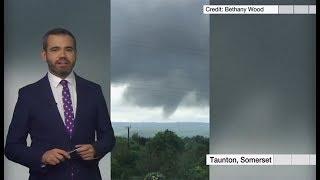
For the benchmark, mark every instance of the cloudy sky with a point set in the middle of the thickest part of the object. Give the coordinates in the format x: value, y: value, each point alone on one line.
x: 159, y: 61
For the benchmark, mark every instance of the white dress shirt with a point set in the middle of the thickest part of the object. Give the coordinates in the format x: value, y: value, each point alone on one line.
x: 56, y: 88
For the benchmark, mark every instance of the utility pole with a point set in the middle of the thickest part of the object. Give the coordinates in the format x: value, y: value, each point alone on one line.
x: 128, y: 127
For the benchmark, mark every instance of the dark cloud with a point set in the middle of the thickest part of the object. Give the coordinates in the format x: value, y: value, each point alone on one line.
x: 160, y: 48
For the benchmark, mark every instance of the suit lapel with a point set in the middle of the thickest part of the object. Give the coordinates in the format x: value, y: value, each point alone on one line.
x: 79, y: 95
x: 49, y: 98
x: 80, y: 100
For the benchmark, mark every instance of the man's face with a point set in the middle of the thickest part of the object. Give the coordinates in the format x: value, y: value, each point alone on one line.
x: 60, y: 55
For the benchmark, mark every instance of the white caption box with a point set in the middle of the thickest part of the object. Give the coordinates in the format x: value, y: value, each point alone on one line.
x: 240, y: 9
x: 258, y: 9
x: 239, y: 159
x: 260, y: 159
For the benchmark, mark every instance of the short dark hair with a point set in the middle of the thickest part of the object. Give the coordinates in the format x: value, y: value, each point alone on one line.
x: 57, y: 31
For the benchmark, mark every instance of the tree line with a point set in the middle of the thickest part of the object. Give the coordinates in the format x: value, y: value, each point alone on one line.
x: 165, y: 156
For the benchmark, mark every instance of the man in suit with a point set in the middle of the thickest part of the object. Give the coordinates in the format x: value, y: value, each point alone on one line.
x: 65, y: 115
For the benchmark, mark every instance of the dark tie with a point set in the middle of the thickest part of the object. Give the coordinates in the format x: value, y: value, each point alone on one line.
x: 67, y: 106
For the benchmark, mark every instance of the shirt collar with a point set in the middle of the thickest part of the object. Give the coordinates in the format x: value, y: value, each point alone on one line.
x: 55, y: 80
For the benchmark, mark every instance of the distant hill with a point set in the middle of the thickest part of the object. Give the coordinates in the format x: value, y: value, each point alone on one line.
x: 149, y: 129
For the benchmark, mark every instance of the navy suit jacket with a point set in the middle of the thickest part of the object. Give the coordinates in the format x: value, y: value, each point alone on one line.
x: 36, y: 113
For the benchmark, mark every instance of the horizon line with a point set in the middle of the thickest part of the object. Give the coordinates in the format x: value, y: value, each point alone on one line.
x: 158, y: 122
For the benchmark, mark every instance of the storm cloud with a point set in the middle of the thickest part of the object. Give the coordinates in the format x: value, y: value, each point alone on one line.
x: 160, y: 49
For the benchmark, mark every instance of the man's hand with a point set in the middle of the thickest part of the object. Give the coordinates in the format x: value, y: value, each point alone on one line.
x: 54, y: 156
x: 86, y: 151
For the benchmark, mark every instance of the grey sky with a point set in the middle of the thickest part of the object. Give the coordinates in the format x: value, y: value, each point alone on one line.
x: 161, y: 50
x: 270, y: 58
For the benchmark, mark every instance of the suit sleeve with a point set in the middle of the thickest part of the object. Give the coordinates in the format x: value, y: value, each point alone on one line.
x: 105, y: 135
x: 16, y: 148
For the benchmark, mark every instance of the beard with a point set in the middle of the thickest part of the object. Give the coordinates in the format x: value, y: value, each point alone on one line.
x: 61, y: 68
